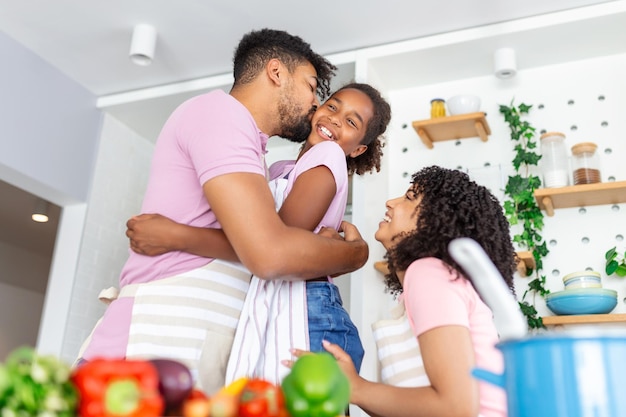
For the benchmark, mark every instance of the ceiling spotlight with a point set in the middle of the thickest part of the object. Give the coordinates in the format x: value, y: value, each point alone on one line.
x: 505, y: 63
x: 40, y: 213
x: 143, y: 44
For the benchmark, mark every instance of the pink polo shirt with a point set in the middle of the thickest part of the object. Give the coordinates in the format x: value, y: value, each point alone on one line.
x: 206, y: 136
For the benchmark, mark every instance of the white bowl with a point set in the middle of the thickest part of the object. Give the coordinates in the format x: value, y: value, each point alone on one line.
x: 462, y: 104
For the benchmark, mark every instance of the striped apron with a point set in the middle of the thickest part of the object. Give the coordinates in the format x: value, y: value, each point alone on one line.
x: 399, y: 354
x: 274, y: 319
x: 189, y: 317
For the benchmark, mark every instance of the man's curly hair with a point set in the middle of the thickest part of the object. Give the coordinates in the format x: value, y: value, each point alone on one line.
x: 370, y: 159
x: 256, y: 48
x: 452, y: 206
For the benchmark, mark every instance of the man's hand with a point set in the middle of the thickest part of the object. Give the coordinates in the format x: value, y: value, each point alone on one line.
x: 151, y: 234
x: 352, y: 235
x: 330, y: 233
x: 350, y: 232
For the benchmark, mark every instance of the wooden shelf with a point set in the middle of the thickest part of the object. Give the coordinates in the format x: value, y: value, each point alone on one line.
x: 381, y: 266
x: 584, y: 319
x: 461, y: 126
x: 527, y: 261
x: 549, y: 199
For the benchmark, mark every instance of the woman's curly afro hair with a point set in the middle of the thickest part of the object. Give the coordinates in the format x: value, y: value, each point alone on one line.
x: 452, y: 206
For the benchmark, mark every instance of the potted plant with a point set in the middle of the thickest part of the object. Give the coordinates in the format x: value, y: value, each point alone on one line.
x: 615, y: 262
x: 521, y: 208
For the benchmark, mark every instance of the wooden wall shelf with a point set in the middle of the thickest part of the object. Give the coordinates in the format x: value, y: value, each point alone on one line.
x: 584, y: 319
x: 461, y: 126
x: 549, y: 199
x: 381, y: 266
x: 527, y: 261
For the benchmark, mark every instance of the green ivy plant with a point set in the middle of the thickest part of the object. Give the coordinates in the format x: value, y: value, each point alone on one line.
x: 615, y: 262
x: 521, y: 207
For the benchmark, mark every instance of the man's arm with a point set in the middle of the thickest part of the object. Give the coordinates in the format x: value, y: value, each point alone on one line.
x: 304, y: 207
x: 244, y: 206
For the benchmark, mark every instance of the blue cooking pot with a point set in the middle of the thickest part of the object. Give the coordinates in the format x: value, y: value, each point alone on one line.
x: 563, y: 376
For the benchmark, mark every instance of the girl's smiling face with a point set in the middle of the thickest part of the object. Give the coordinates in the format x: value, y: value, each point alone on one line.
x: 343, y: 118
x: 401, y: 217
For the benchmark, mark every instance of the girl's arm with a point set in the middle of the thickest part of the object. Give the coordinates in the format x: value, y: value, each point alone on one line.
x: 448, y: 356
x: 304, y: 207
x: 154, y: 234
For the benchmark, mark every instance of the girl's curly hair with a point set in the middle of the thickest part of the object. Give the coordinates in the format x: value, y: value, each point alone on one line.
x: 370, y: 159
x: 452, y: 206
x: 258, y: 47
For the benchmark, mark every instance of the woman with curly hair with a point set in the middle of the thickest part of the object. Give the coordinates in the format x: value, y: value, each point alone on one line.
x: 453, y: 327
x: 310, y: 192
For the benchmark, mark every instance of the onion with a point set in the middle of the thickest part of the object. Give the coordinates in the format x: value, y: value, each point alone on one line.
x: 175, y: 382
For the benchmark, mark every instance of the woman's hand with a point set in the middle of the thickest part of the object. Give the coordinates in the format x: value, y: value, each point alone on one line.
x: 343, y: 359
x: 151, y: 234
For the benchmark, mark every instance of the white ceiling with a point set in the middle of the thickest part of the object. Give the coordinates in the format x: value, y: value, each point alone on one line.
x: 89, y: 42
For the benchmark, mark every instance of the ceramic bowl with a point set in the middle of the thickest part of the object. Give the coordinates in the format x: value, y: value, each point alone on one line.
x: 582, y: 301
x: 582, y: 279
x: 462, y: 104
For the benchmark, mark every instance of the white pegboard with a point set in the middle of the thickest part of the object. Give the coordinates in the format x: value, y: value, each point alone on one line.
x: 584, y: 100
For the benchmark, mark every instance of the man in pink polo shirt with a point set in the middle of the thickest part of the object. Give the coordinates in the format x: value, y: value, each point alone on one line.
x: 208, y: 170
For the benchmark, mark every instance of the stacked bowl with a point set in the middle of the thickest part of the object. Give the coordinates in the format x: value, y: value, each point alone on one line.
x: 583, y: 294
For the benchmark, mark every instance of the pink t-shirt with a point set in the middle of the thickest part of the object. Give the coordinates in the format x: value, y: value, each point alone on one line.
x: 206, y: 136
x: 328, y: 154
x: 434, y: 297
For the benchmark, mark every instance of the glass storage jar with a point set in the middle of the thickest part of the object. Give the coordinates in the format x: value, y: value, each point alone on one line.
x: 437, y: 107
x: 554, y: 161
x: 585, y: 163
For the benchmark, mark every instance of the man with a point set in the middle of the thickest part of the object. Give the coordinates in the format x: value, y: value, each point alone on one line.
x: 208, y: 170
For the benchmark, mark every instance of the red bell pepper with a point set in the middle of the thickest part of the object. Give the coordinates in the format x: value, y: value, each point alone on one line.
x: 261, y: 398
x: 118, y: 388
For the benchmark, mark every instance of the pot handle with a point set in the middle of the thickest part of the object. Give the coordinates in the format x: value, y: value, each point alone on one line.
x: 488, y: 376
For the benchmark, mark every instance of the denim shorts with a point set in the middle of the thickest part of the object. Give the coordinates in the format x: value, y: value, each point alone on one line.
x: 328, y: 320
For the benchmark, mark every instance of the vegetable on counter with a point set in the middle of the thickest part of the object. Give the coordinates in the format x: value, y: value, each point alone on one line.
x: 118, y: 388
x: 261, y: 398
x: 197, y: 404
x: 36, y: 385
x: 225, y: 402
x: 175, y: 384
x: 316, y: 387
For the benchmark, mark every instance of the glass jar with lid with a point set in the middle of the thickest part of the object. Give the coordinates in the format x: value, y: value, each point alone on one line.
x: 437, y: 107
x: 554, y: 162
x: 585, y: 163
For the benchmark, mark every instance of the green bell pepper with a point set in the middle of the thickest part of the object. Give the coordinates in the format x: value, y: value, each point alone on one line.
x: 316, y: 387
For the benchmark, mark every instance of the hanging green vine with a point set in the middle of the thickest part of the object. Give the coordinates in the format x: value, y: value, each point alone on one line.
x: 521, y: 207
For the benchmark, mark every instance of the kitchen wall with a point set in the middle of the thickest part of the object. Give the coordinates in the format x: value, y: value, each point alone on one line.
x: 48, y: 144
x: 582, y: 99
x: 120, y: 178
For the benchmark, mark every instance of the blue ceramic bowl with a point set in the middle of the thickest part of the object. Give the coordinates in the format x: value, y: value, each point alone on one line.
x: 582, y: 301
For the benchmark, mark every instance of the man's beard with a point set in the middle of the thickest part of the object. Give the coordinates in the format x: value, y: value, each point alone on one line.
x: 294, y: 128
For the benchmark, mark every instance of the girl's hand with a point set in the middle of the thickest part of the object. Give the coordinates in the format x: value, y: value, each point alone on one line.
x: 151, y: 234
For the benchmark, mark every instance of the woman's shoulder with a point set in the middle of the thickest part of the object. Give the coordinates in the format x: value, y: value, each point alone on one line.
x: 428, y: 263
